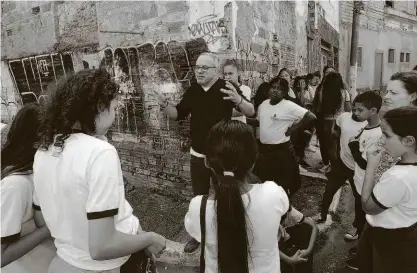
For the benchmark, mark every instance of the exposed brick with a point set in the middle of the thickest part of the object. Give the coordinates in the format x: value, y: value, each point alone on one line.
x: 185, y: 174
x: 186, y: 168
x: 170, y: 171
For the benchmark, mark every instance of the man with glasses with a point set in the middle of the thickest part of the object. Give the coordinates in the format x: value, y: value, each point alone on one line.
x: 209, y: 101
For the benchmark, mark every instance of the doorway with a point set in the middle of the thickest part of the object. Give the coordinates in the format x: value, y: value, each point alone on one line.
x: 379, y: 62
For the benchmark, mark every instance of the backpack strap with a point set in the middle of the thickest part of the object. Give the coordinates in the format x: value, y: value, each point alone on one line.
x: 203, y: 231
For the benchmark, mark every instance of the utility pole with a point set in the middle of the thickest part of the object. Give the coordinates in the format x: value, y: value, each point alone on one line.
x: 357, y: 5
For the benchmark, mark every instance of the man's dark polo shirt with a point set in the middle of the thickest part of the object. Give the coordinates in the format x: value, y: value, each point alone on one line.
x: 206, y: 108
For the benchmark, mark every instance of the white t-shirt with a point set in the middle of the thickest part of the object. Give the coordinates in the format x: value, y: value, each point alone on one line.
x: 396, y: 191
x: 17, y: 221
x: 368, y: 142
x: 265, y: 204
x: 294, y: 217
x: 274, y: 120
x: 82, y: 182
x: 247, y: 93
x: 348, y: 129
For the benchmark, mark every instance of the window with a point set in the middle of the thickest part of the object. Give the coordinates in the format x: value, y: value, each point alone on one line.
x: 36, y: 10
x: 391, y: 55
x: 389, y: 4
x: 402, y: 57
x: 359, y: 57
x: 407, y: 57
x: 9, y: 32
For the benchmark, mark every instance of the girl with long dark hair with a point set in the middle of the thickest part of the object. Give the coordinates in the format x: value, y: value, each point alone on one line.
x: 22, y: 238
x: 237, y: 236
x: 331, y: 100
x: 79, y: 183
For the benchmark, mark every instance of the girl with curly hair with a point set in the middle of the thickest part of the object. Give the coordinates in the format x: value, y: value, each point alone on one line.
x: 79, y: 183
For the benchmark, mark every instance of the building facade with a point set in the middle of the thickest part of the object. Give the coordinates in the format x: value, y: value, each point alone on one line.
x: 387, y: 41
x: 323, y: 35
x: 146, y: 46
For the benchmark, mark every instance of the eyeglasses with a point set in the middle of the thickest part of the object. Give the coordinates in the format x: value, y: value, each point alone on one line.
x: 203, y: 67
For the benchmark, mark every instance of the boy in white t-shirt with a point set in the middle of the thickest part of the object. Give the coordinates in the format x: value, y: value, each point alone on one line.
x: 278, y: 120
x: 231, y: 72
x: 347, y: 126
x: 367, y: 106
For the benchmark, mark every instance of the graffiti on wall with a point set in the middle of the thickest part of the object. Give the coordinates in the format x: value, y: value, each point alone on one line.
x: 9, y: 107
x: 141, y: 70
x: 32, y: 75
x: 209, y: 27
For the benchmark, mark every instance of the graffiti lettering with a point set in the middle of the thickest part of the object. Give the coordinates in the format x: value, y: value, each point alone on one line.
x: 208, y: 27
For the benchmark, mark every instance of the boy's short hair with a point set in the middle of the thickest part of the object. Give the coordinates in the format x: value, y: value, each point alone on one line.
x: 369, y: 99
x: 317, y: 74
x: 309, y: 76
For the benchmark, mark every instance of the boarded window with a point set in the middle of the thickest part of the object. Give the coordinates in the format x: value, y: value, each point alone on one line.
x: 391, y: 55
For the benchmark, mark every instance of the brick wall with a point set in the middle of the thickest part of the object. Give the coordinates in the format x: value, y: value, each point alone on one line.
x: 156, y: 44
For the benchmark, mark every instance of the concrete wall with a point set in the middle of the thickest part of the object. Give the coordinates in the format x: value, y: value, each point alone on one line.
x: 380, y: 28
x: 26, y: 32
x: 153, y: 45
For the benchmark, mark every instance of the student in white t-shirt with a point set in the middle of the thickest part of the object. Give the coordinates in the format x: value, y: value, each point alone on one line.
x: 367, y: 106
x: 25, y: 247
x: 278, y: 120
x: 389, y: 241
x: 79, y: 183
x: 231, y: 72
x: 238, y: 238
x: 347, y: 126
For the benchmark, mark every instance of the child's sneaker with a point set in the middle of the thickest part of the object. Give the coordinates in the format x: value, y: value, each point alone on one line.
x: 351, y: 237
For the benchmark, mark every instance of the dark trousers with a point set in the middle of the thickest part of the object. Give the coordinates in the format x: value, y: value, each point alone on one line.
x: 328, y: 145
x: 336, y: 178
x: 200, y: 176
x: 279, y: 163
x: 300, y: 141
x: 299, y: 239
x: 388, y: 250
